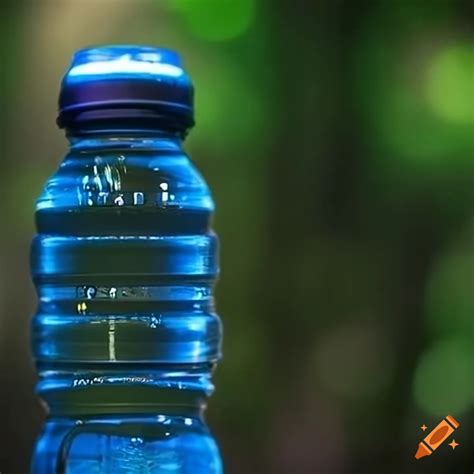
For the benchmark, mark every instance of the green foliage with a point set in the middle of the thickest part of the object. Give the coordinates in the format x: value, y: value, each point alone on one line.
x: 443, y: 380
x: 216, y: 20
x: 451, y: 83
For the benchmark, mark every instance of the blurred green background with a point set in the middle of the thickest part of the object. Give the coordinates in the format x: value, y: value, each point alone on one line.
x: 337, y: 137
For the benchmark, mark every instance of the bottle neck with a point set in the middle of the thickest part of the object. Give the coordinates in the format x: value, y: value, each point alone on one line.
x: 122, y: 138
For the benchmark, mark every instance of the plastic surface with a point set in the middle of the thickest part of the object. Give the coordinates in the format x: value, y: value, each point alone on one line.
x: 126, y: 335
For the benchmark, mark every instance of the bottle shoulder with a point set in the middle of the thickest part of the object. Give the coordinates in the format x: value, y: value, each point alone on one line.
x: 139, y: 182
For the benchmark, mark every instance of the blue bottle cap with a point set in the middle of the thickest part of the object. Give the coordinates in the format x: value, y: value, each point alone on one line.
x: 124, y: 84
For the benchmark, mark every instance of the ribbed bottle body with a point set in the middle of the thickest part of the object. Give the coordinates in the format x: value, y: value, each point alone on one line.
x: 125, y: 336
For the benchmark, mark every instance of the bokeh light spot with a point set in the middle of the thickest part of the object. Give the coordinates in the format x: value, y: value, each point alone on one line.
x: 216, y: 20
x: 410, y: 129
x: 451, y: 84
x: 407, y: 132
x: 443, y: 381
x: 354, y: 361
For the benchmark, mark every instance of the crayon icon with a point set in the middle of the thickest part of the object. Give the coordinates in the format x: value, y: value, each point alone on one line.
x: 437, y: 437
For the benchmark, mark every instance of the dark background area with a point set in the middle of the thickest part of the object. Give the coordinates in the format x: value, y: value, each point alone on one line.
x: 337, y: 137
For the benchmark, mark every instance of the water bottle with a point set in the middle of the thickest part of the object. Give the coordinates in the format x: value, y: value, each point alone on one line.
x: 125, y: 336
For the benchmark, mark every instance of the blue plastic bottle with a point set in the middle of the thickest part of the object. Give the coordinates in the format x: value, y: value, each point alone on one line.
x: 125, y: 336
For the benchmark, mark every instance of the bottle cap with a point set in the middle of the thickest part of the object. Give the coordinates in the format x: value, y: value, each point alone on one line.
x: 125, y: 84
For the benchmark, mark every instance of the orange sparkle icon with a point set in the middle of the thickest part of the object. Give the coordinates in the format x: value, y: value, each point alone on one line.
x: 437, y: 437
x: 423, y: 427
x: 453, y: 444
